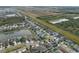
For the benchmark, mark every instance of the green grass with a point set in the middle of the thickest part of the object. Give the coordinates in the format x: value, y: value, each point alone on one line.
x: 70, y: 26
x: 11, y: 20
x: 13, y: 48
x: 50, y: 17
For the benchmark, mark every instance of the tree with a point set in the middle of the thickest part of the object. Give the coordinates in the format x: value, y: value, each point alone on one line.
x: 11, y: 43
x: 5, y: 44
x: 17, y: 40
x: 22, y: 40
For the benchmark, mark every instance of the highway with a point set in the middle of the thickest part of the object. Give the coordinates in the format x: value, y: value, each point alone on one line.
x: 33, y: 25
x: 36, y: 23
x: 53, y: 28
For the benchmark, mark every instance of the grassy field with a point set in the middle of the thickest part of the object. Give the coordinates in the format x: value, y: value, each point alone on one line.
x: 54, y: 28
x: 50, y: 17
x: 71, y: 26
x: 13, y: 48
x: 11, y: 20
